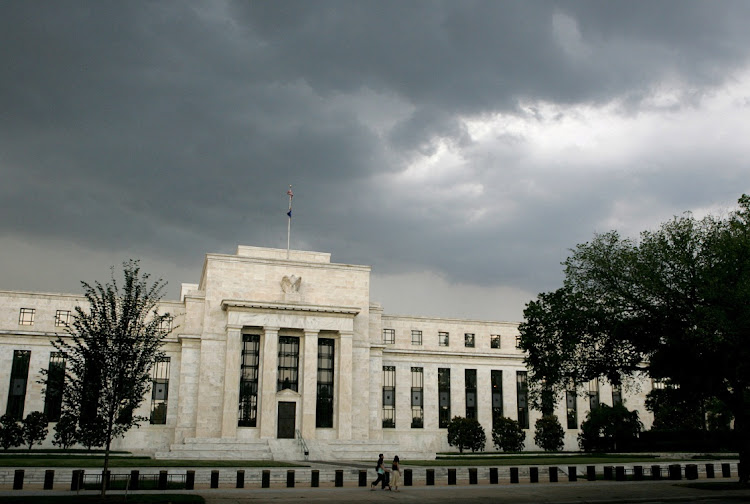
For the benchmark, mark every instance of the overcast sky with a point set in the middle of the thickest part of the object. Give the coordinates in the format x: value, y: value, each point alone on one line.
x: 460, y: 148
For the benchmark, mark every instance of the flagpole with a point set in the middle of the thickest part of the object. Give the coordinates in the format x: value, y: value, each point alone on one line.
x: 289, y: 222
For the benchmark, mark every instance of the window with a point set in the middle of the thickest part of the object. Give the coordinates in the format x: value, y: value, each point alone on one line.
x: 55, y: 383
x: 19, y: 375
x: 616, y: 395
x: 288, y: 363
x: 470, y: 379
x: 658, y: 383
x: 571, y: 405
x: 389, y: 336
x: 518, y: 341
x: 389, y: 397
x: 62, y: 318
x: 469, y: 340
x: 416, y: 337
x: 594, y: 393
x: 26, y: 316
x: 443, y: 338
x: 496, y: 380
x: 522, y: 394
x: 159, y: 391
x: 324, y: 406
x: 248, y: 413
x: 417, y: 404
x: 444, y: 397
x: 165, y: 324
x: 494, y: 341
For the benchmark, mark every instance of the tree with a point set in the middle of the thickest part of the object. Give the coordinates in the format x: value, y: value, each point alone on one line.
x: 507, y: 435
x: 11, y: 434
x: 110, y: 348
x: 66, y: 431
x: 549, y: 434
x: 466, y: 433
x: 609, y: 428
x: 674, y: 304
x: 34, y: 428
x: 676, y: 411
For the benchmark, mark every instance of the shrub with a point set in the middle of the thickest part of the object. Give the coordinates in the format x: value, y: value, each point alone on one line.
x: 34, y: 428
x: 11, y: 434
x: 608, y: 428
x: 66, y: 431
x: 466, y: 433
x: 508, y: 436
x: 549, y: 434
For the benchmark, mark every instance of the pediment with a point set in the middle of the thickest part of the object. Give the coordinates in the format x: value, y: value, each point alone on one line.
x: 288, y: 394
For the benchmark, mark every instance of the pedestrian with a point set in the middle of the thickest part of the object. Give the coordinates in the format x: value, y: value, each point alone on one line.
x: 380, y: 470
x: 396, y: 470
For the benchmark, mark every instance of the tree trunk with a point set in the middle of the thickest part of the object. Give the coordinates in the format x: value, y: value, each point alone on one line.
x: 106, y: 457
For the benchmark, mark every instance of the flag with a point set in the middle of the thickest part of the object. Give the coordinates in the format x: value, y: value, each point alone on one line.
x: 289, y: 192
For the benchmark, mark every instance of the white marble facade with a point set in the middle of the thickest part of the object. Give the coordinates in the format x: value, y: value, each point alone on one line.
x: 268, y: 297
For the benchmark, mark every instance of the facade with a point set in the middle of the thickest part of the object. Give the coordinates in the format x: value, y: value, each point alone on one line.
x: 278, y: 355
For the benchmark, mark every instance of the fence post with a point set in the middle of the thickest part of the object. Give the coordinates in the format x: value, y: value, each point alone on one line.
x: 553, y: 474
x: 189, y: 480
x: 134, y: 482
x: 472, y: 476
x: 514, y: 474
x: 339, y: 481
x: 18, y: 480
x: 430, y: 477
x: 451, y: 476
x: 407, y: 477
x: 265, y: 478
x: 214, y: 479
x: 493, y: 476
x: 49, y: 479
x: 533, y: 475
x: 77, y: 481
x: 240, y: 478
x: 162, y: 484
x: 591, y: 473
x: 290, y: 478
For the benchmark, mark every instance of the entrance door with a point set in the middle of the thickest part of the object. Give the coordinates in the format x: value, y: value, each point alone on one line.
x: 287, y: 417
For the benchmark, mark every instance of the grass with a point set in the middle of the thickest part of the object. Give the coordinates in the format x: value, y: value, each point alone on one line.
x: 110, y: 499
x: 515, y: 460
x: 73, y: 460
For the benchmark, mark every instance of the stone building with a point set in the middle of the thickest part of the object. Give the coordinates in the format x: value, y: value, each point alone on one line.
x: 277, y: 355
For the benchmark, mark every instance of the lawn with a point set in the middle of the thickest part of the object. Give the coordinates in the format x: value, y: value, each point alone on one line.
x: 531, y: 460
x: 75, y: 460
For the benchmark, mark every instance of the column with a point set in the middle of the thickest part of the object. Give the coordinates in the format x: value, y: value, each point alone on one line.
x: 187, y: 395
x: 232, y: 382
x: 309, y: 384
x: 269, y: 357
x: 345, y: 381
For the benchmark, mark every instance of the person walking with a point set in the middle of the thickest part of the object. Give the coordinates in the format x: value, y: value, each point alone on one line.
x: 396, y: 470
x: 380, y: 470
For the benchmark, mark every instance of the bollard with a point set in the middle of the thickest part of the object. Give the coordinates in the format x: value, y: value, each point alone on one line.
x: 638, y: 473
x: 407, y: 477
x: 472, y: 475
x: 691, y: 471
x: 493, y: 476
x: 290, y: 478
x: 240, y: 478
x: 339, y: 477
x: 135, y: 477
x: 726, y: 472
x: 591, y: 473
x: 265, y: 478
x: 214, y: 479
x: 315, y: 478
x: 609, y: 473
x: 451, y: 476
x: 533, y: 475
x: 163, y: 476
x: 620, y: 473
x: 189, y: 480
x: 655, y: 472
x: 675, y: 472
x: 106, y: 476
x: 514, y: 474
x: 49, y: 479
x: 18, y: 480
x: 553, y: 474
x: 710, y: 471
x: 572, y: 473
x: 430, y: 477
x: 76, y: 483
x: 362, y: 477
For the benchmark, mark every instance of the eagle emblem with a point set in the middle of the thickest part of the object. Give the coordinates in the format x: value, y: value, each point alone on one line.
x: 290, y: 283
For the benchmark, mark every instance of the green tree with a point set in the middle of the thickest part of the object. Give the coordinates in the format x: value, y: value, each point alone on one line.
x: 609, y: 428
x: 34, y: 428
x: 507, y: 435
x: 549, y: 434
x: 66, y: 431
x: 11, y: 433
x: 674, y: 304
x: 466, y: 433
x: 674, y: 410
x: 110, y: 348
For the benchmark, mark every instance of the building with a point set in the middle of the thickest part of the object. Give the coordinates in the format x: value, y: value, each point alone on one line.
x: 279, y: 355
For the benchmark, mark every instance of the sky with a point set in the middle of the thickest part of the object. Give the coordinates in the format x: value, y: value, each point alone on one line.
x: 460, y: 148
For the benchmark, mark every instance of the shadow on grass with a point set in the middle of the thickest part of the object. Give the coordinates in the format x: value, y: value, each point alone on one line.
x: 717, y: 485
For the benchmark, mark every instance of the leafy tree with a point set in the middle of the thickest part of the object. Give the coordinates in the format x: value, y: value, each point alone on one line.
x: 66, y: 431
x: 674, y: 304
x: 609, y: 428
x: 507, y: 435
x: 466, y: 433
x: 674, y: 410
x: 11, y: 433
x: 549, y: 434
x: 110, y: 348
x: 34, y: 428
